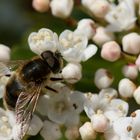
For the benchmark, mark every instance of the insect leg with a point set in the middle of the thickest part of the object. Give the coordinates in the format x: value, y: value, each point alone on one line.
x: 51, y: 89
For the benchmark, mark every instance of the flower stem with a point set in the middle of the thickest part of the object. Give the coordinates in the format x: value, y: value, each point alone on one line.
x: 129, y: 58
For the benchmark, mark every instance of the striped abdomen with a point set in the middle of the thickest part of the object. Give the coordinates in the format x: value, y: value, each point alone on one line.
x: 12, y: 91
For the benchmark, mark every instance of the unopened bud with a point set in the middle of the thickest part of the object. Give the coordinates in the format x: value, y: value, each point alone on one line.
x: 72, y: 133
x: 111, y: 51
x: 130, y: 71
x: 61, y: 8
x: 100, y: 8
x: 87, y: 132
x: 99, y: 123
x: 41, y: 5
x: 131, y: 43
x: 126, y: 88
x: 72, y: 72
x: 103, y: 78
x: 86, y: 27
x: 4, y: 52
x: 102, y: 36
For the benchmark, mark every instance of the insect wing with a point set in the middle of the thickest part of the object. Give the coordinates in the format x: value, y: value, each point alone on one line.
x: 4, y: 70
x: 25, y: 107
x: 7, y: 66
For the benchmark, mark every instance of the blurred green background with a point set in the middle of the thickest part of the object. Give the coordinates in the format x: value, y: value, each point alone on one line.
x: 18, y: 19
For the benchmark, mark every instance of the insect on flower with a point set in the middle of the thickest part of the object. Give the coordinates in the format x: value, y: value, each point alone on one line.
x: 24, y: 86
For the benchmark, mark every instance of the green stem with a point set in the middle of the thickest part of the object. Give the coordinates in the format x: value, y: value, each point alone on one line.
x: 129, y: 58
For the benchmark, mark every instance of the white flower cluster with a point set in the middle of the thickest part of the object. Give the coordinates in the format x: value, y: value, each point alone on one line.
x: 114, y: 29
x: 73, y: 46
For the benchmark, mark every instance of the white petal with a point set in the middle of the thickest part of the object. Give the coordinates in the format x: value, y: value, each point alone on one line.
x: 136, y: 122
x: 72, y: 119
x: 92, y: 102
x: 41, y: 106
x: 89, y: 52
x: 77, y: 100
x: 121, y: 126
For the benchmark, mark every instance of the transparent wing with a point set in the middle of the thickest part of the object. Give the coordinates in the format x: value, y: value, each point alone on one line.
x: 25, y: 107
x: 7, y: 66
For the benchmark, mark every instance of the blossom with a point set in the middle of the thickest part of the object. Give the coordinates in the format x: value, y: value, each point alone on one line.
x: 43, y: 40
x: 9, y: 129
x: 74, y: 46
x: 121, y: 17
x: 5, y: 126
x: 106, y: 107
x: 128, y: 128
x: 63, y: 107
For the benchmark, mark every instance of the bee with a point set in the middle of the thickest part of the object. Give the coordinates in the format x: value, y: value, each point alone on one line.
x: 24, y: 87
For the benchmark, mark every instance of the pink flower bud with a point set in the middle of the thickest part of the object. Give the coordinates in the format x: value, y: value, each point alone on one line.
x: 99, y: 122
x: 41, y: 5
x: 130, y: 71
x: 111, y: 51
x: 102, y: 36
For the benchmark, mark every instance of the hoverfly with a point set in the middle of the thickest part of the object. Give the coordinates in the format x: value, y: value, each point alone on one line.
x: 24, y: 86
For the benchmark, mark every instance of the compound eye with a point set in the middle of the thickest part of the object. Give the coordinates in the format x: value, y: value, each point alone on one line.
x: 52, y: 61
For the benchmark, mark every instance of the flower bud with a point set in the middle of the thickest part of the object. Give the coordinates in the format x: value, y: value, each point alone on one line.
x: 137, y: 95
x: 41, y: 5
x: 86, y: 27
x: 99, y: 123
x: 126, y: 88
x: 50, y: 131
x: 36, y: 125
x: 102, y: 36
x: 131, y: 43
x: 111, y: 51
x: 72, y: 72
x: 130, y: 71
x: 4, y: 52
x: 103, y: 78
x: 87, y: 132
x: 72, y: 133
x: 100, y: 8
x: 61, y: 8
